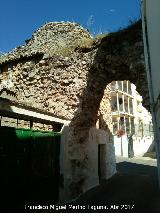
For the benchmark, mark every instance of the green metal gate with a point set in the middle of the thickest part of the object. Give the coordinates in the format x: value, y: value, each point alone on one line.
x: 29, y: 164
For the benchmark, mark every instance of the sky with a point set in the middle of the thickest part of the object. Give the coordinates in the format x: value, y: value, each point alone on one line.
x: 20, y: 18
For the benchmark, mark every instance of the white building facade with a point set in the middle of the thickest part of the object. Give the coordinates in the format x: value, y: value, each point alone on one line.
x: 151, y: 37
x: 130, y: 118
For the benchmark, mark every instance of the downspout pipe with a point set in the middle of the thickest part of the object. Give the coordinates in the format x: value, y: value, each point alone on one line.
x: 150, y: 84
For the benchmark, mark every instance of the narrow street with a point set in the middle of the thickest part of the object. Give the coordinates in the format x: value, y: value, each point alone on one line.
x: 79, y: 87
x: 135, y: 184
x: 138, y: 166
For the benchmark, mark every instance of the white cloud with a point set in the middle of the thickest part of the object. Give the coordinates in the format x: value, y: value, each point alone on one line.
x: 112, y: 10
x: 90, y: 20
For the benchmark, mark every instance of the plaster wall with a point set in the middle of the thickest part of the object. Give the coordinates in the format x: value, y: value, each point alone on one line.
x: 141, y: 146
x: 152, y: 15
x: 121, y: 146
x: 89, y: 172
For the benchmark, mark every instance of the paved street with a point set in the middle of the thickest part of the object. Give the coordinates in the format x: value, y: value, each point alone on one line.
x: 138, y: 160
x: 134, y: 184
x: 139, y: 166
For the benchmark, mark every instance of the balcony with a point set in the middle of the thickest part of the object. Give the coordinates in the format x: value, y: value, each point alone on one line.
x: 114, y: 86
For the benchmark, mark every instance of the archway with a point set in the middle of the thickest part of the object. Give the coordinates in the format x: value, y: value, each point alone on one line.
x: 119, y: 56
x: 77, y: 92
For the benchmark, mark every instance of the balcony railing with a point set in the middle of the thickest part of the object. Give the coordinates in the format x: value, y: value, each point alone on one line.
x: 114, y: 87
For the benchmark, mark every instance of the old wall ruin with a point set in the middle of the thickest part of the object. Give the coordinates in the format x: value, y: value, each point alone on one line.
x: 73, y: 83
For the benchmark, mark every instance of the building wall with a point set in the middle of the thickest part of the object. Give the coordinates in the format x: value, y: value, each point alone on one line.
x: 66, y: 87
x: 72, y: 87
x: 152, y: 15
x: 99, y: 162
x: 55, y: 85
x: 50, y: 87
x: 151, y: 35
x: 122, y: 106
x: 136, y: 120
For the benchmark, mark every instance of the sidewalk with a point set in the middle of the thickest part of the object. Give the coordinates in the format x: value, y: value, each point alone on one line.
x: 139, y: 160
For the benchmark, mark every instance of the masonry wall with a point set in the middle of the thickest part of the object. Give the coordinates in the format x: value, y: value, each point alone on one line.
x: 63, y: 86
x: 74, y: 86
x: 54, y: 84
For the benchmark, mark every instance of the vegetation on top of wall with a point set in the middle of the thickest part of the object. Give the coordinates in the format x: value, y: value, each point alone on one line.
x: 65, y: 38
x: 67, y: 50
x: 100, y: 36
x: 129, y: 33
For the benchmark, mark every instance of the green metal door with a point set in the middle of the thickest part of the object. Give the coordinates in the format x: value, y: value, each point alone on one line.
x: 29, y: 163
x: 13, y: 156
x: 45, y: 164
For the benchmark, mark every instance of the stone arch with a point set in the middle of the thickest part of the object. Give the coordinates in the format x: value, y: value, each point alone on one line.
x: 119, y: 56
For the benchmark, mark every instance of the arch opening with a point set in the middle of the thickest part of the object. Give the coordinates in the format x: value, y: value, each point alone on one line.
x: 118, y: 57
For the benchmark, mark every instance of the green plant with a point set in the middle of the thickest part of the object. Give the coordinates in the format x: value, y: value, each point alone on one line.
x: 100, y: 36
x: 67, y: 50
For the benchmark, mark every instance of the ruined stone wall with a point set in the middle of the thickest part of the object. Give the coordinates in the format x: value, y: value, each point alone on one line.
x: 69, y: 88
x: 105, y: 110
x: 48, y: 72
x: 74, y: 87
x: 55, y: 84
x: 52, y: 38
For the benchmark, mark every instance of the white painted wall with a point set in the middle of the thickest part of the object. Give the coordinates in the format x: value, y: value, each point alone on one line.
x: 141, y: 146
x: 121, y: 146
x: 151, y: 12
x: 151, y: 38
x: 108, y: 161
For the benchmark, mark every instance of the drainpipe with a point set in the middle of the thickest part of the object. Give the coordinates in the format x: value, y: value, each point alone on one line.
x: 150, y: 84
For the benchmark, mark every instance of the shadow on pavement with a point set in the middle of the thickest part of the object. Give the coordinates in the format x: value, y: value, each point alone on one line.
x: 139, y: 169
x: 134, y: 188
x: 124, y: 192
